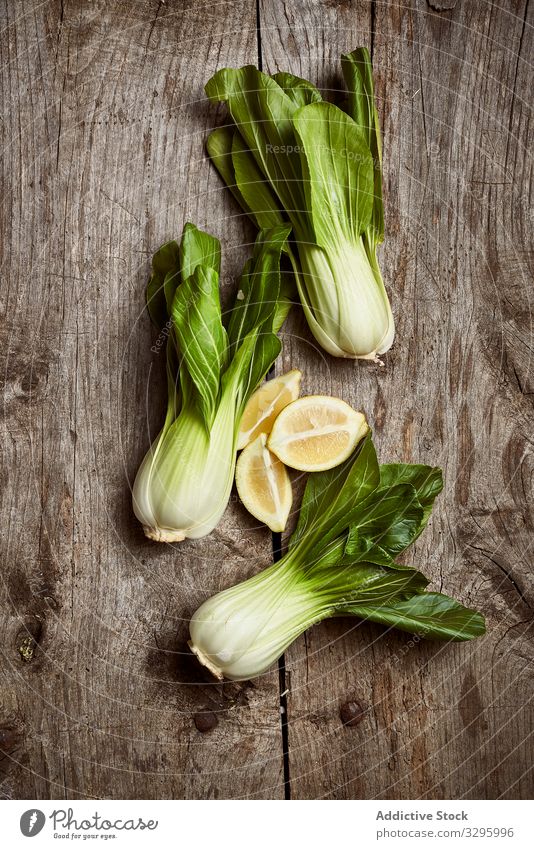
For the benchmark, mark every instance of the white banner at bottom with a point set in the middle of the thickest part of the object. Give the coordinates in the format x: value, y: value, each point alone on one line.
x: 230, y: 824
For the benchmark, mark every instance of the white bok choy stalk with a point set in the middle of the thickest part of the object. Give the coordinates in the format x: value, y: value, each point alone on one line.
x: 184, y: 483
x: 354, y: 521
x: 290, y: 156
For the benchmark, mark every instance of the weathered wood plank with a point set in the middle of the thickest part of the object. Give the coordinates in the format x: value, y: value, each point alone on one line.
x: 104, y: 117
x: 103, y: 126
x: 454, y: 720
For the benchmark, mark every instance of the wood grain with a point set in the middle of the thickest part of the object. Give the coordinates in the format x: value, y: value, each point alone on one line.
x: 440, y: 721
x: 103, y: 136
x: 102, y: 160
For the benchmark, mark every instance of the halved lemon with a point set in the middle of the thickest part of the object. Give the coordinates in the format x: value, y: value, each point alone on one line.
x: 263, y: 484
x: 316, y: 433
x: 265, y: 404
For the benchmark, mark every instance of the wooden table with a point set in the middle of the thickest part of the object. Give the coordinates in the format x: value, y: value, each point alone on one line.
x: 103, y: 126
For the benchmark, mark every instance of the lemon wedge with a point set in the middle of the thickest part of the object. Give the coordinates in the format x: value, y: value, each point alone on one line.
x: 265, y: 404
x: 263, y: 484
x: 316, y: 432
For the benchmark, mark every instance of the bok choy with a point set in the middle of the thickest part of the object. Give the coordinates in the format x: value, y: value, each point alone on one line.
x: 354, y: 522
x: 184, y: 483
x: 291, y: 157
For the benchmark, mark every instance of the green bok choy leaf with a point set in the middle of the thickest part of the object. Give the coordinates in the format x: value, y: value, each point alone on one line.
x: 184, y: 483
x: 289, y: 156
x: 354, y: 521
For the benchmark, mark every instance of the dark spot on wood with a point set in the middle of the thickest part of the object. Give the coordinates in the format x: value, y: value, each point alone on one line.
x: 455, y: 364
x: 470, y: 705
x: 168, y: 90
x: 30, y: 594
x: 383, y: 702
x: 163, y: 661
x: 379, y: 409
x: 48, y: 565
x: 205, y: 720
x: 189, y: 667
x: 503, y: 580
x: 352, y: 713
x: 18, y: 589
x: 10, y: 739
x: 506, y: 360
x: 236, y: 693
x: 516, y: 472
x: 30, y: 381
x: 318, y: 719
x: 466, y: 456
x: 399, y: 277
x: 420, y: 764
x: 25, y: 377
x: 147, y: 145
x: 442, y: 5
x: 10, y: 743
x: 339, y: 4
x: 26, y: 649
x: 407, y: 437
x: 28, y: 639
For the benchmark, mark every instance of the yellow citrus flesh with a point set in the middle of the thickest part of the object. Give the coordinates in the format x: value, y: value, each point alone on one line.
x: 265, y: 405
x: 263, y: 484
x: 316, y: 433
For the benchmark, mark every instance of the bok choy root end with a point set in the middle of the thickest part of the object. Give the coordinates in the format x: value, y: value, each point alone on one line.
x: 354, y: 522
x: 213, y: 366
